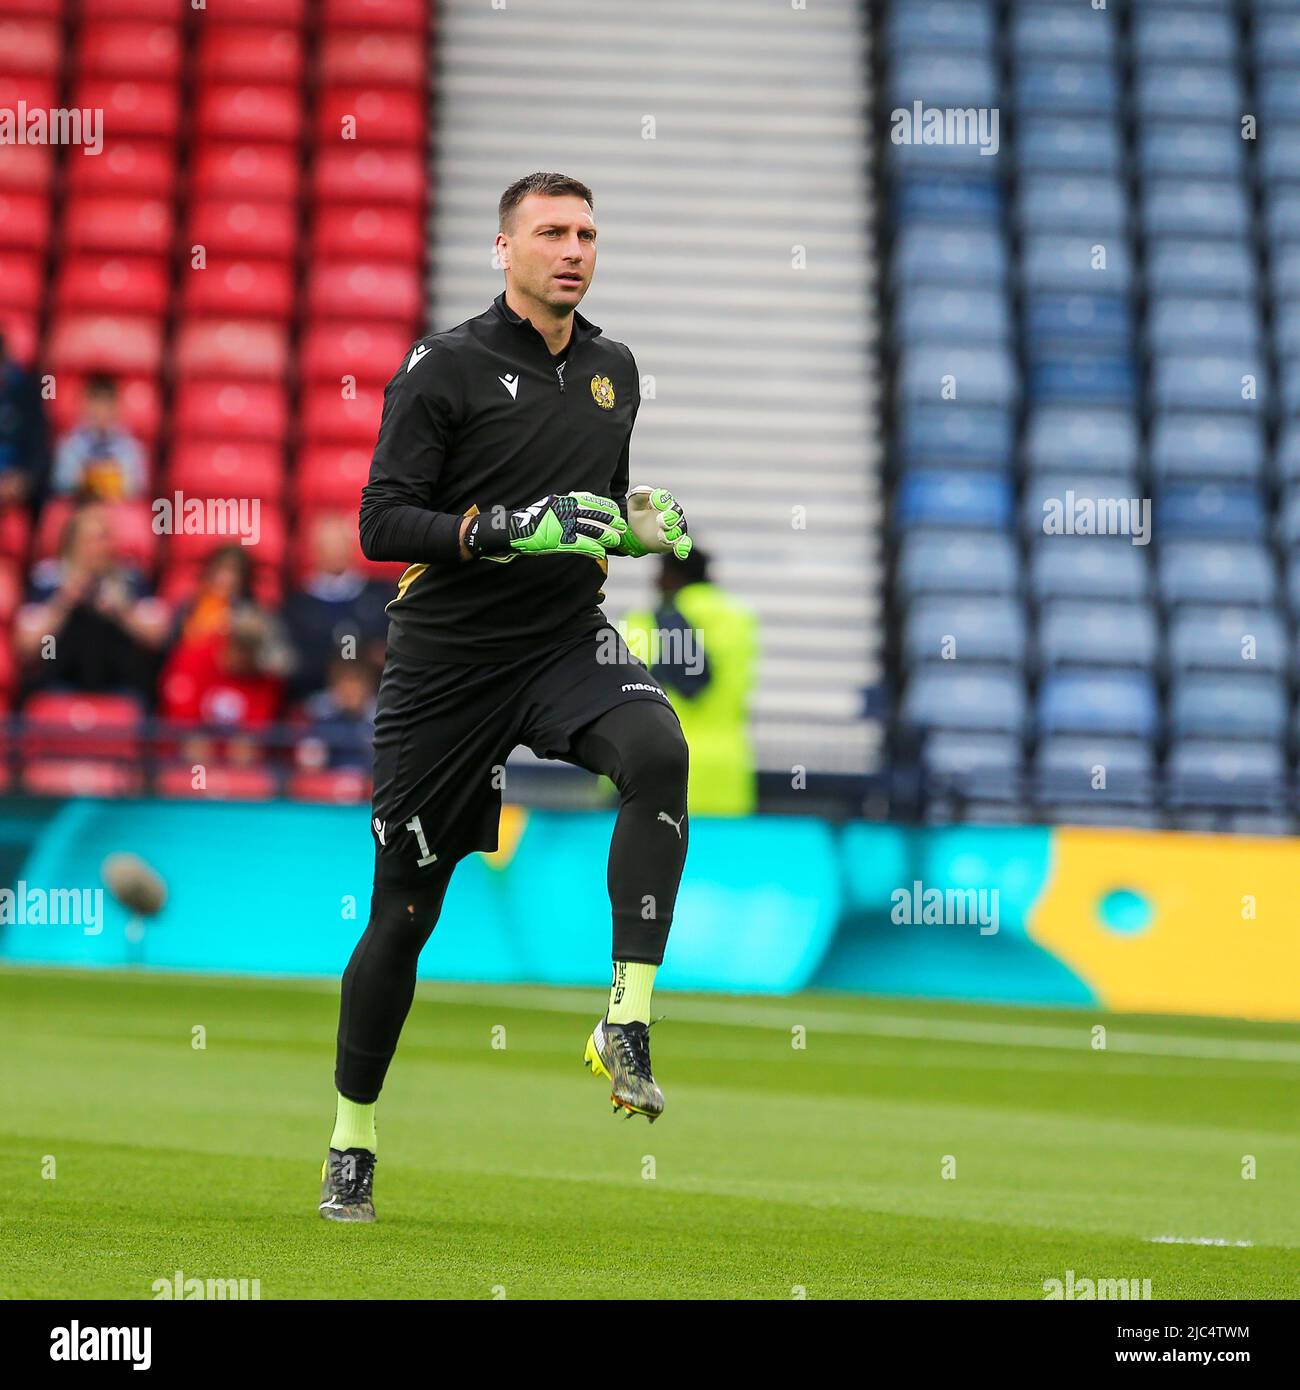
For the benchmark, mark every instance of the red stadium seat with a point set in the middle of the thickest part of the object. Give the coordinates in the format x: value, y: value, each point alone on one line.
x: 116, y: 284
x: 227, y: 227
x: 24, y: 221
x: 40, y: 93
x: 132, y: 107
x: 232, y: 350
x: 215, y: 469
x: 40, y: 9
x: 19, y: 330
x: 11, y: 590
x: 343, y: 785
x: 131, y: 524
x: 106, y: 342
x: 368, y: 233
x: 26, y: 168
x: 81, y: 777
x: 370, y: 115
x: 129, y: 48
x: 82, y: 725
x: 236, y: 411
x: 22, y: 280
x: 138, y: 400
x: 220, y: 783
x: 290, y: 13
x: 365, y: 290
x: 132, y: 225
x: 29, y: 45
x: 173, y: 10
x: 327, y: 417
x: 15, y: 533
x: 249, y: 112
x: 238, y: 289
x: 407, y: 16
x: 224, y: 169
x: 126, y: 167
x: 388, y: 58
x: 330, y: 477
x: 369, y: 176
x: 371, y: 352
x: 253, y: 53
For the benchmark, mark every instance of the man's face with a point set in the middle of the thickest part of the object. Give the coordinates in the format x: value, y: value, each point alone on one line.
x: 549, y: 253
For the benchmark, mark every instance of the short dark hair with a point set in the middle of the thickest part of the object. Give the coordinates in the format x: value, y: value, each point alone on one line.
x: 101, y: 384
x: 548, y: 185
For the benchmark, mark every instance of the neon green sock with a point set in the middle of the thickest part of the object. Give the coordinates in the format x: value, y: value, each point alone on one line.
x: 354, y: 1126
x: 629, y: 995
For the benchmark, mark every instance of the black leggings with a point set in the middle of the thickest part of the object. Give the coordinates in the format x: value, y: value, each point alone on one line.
x: 640, y: 748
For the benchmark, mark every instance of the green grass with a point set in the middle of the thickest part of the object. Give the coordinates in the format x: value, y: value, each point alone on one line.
x: 773, y: 1169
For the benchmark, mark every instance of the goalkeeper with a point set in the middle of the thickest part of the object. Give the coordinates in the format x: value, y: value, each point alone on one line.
x: 500, y: 476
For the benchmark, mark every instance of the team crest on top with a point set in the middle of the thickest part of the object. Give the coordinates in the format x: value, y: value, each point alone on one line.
x: 602, y: 392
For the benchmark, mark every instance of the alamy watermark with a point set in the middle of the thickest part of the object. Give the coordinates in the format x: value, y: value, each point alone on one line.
x: 946, y: 125
x: 945, y: 907
x: 1072, y: 1287
x: 179, y: 515
x: 25, y: 906
x: 1072, y: 515
x: 61, y: 125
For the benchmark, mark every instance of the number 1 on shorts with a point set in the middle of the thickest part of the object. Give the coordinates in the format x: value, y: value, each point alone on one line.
x: 425, y: 857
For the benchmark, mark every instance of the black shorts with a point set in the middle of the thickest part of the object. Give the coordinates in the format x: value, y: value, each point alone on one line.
x: 443, y: 733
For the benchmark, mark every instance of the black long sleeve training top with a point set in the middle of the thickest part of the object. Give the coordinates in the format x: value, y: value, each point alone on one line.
x: 482, y: 416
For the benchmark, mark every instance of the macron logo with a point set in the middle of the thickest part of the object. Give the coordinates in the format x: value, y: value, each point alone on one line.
x: 417, y: 353
x: 511, y: 382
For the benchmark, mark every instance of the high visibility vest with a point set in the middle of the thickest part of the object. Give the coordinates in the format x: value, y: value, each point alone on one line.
x: 715, y: 721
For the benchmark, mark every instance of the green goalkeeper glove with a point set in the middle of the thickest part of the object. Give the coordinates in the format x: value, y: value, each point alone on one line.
x: 656, y: 524
x: 563, y: 523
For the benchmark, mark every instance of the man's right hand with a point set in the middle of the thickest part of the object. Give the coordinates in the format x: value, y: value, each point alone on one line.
x: 567, y: 523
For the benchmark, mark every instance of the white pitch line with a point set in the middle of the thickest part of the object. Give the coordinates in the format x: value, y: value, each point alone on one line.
x: 1198, y: 1240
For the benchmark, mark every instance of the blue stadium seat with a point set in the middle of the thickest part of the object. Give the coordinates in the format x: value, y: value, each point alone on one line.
x: 1195, y: 151
x: 1228, y: 639
x: 1061, y: 87
x: 1097, y: 634
x: 1060, y: 202
x: 940, y: 79
x: 933, y: 498
x: 1164, y: 35
x: 1288, y: 520
x: 925, y: 254
x: 1279, y: 154
x: 1277, y: 95
x: 1289, y: 388
x: 980, y: 764
x: 1228, y: 572
x: 958, y: 315
x: 1282, y: 214
x: 982, y: 375
x: 1068, y: 767
x: 1062, y: 437
x: 1208, y: 383
x: 1175, y: 207
x: 1210, y: 510
x: 1286, y: 272
x: 1276, y: 39
x: 1095, y: 323
x: 1080, y: 567
x: 1287, y: 462
x: 1187, y: 445
x: 963, y: 25
x: 1286, y: 328
x: 1293, y: 584
x: 951, y: 696
x: 1187, y: 92
x: 1208, y: 772
x: 1061, y: 31
x: 1180, y: 266
x: 953, y: 434
x: 1117, y: 703
x: 949, y: 200
x: 946, y: 160
x: 1180, y: 323
x: 965, y: 629
x: 1052, y: 261
x: 1049, y: 144
x: 1095, y: 380
x: 939, y: 562
x: 1239, y: 705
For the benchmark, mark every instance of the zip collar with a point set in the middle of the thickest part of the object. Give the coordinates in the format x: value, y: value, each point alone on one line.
x: 583, y: 328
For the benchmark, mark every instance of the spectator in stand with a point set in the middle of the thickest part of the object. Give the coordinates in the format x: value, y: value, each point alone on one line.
x: 342, y: 718
x: 88, y: 624
x: 99, y: 459
x: 230, y: 662
x: 338, y: 612
x: 24, y: 436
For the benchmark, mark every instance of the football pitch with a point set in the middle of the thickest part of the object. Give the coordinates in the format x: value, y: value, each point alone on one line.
x: 821, y: 1146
